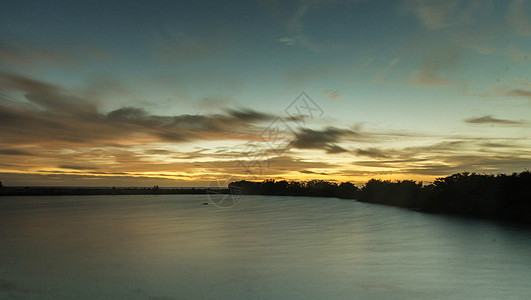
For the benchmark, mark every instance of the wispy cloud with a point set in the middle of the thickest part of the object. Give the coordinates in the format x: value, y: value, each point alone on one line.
x: 287, y: 41
x: 77, y: 167
x: 522, y: 82
x: 435, y: 14
x: 519, y: 93
x: 380, y: 76
x: 441, y: 14
x: 25, y: 55
x: 484, y: 164
x: 491, y: 120
x: 295, y: 24
x: 506, y: 91
x: 426, y: 77
x: 519, y: 17
x: 176, y: 46
x: 372, y: 152
x: 517, y: 55
x: 434, y: 64
x: 332, y: 94
x: 447, y: 157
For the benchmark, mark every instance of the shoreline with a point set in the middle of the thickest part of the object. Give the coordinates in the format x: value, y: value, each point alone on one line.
x: 82, y: 191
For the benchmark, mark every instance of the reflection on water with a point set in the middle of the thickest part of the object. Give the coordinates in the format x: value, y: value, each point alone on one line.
x: 172, y: 246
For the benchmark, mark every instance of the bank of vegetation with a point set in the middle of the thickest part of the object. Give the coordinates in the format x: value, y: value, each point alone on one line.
x: 504, y: 197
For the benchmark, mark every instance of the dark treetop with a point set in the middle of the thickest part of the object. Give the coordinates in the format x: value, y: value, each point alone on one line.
x: 505, y: 197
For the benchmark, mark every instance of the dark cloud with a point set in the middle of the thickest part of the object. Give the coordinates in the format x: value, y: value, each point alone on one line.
x: 307, y: 172
x: 34, y: 126
x: 296, y: 118
x: 92, y: 141
x: 127, y: 114
x: 13, y: 152
x: 491, y: 120
x: 50, y: 98
x: 442, y: 146
x: 77, y: 167
x: 63, y: 116
x: 325, y: 139
x: 331, y: 149
x: 248, y: 115
x: 497, y: 145
x: 312, y: 172
x: 159, y: 152
x: 186, y: 127
x: 372, y: 152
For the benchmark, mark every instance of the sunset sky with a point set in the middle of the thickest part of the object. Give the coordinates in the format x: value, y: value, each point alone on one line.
x: 184, y: 93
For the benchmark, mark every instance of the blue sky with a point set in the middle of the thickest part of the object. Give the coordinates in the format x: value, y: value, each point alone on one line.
x: 177, y: 92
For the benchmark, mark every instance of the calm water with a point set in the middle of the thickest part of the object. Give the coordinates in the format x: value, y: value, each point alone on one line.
x: 172, y: 247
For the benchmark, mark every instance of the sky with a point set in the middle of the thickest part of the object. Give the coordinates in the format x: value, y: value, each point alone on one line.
x: 201, y: 93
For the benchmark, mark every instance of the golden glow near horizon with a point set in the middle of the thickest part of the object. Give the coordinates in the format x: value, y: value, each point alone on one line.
x: 342, y: 91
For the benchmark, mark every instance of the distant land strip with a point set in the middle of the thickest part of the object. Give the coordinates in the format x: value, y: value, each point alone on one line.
x: 58, y: 191
x: 501, y: 197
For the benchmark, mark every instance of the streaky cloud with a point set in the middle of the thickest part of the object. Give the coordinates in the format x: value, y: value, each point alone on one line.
x: 489, y: 119
x: 61, y: 115
x: 325, y: 139
x: 519, y: 93
x: 8, y: 151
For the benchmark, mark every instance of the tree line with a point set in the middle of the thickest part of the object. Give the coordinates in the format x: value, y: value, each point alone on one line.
x: 505, y: 197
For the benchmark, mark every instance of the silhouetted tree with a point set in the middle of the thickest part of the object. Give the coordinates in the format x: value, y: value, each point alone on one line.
x: 347, y: 190
x: 502, y: 196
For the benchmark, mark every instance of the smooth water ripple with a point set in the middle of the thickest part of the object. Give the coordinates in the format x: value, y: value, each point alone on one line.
x: 173, y: 247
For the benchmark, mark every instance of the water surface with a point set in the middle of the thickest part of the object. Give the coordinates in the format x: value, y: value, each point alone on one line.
x: 173, y: 247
